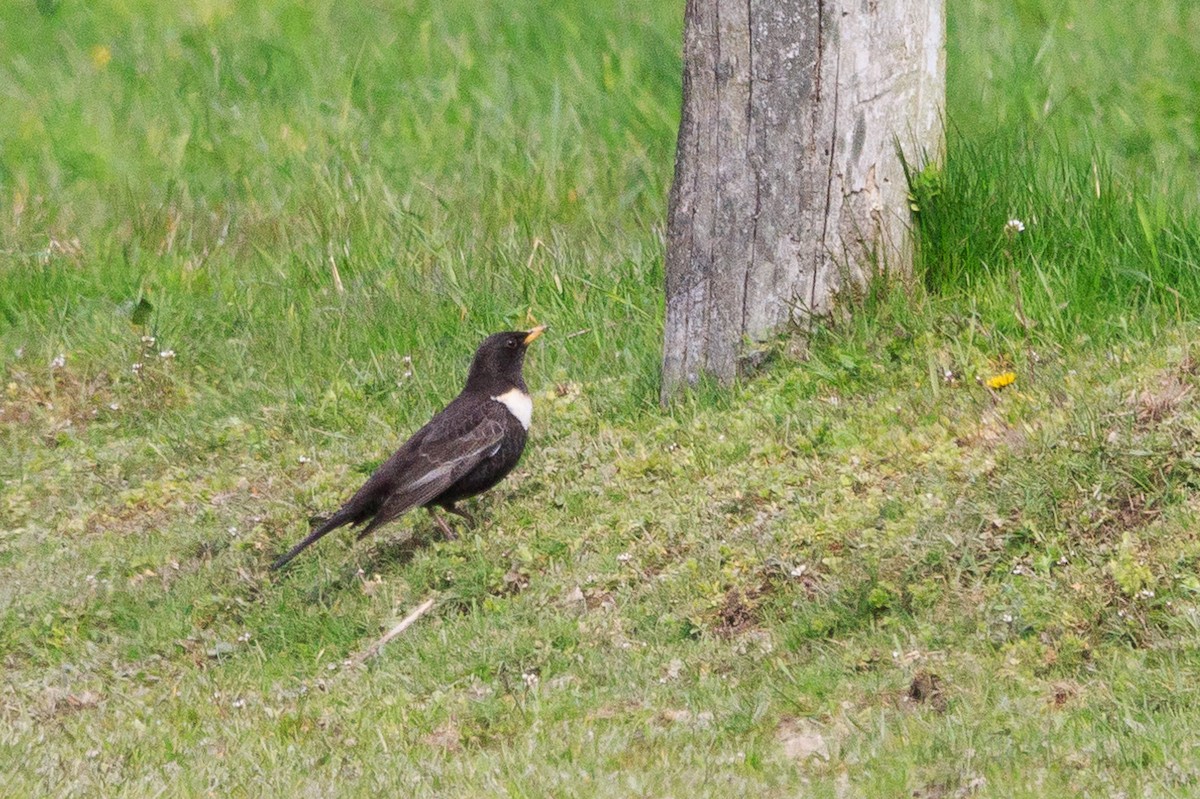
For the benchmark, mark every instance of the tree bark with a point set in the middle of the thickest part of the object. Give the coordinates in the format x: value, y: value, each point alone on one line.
x: 788, y: 182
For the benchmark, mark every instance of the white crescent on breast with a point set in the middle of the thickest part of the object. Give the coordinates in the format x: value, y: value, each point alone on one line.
x: 519, y: 404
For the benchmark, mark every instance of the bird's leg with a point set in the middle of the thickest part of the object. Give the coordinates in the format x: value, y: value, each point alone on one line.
x: 460, y: 512
x: 449, y: 532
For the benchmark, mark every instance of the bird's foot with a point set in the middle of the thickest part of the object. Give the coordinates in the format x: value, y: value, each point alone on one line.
x: 460, y: 512
x: 447, y: 530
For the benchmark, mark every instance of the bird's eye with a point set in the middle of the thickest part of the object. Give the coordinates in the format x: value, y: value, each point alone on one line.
x: 512, y: 342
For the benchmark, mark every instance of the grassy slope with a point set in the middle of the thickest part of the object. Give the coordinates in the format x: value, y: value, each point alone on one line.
x: 659, y: 603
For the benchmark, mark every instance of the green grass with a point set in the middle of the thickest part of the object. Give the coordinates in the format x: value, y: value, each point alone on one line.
x: 732, y: 596
x: 461, y: 168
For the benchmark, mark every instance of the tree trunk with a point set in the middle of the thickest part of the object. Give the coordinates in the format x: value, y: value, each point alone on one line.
x: 787, y: 178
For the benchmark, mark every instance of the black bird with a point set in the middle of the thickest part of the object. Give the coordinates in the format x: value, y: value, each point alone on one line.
x: 464, y: 450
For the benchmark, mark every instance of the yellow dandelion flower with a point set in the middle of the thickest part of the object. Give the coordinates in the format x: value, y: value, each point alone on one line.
x: 101, y: 55
x: 1002, y: 380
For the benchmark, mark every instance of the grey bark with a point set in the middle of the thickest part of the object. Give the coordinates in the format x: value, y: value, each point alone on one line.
x: 787, y: 177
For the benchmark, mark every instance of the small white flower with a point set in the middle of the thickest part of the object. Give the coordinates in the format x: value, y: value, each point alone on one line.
x: 303, y: 459
x: 244, y: 637
x: 114, y: 406
x: 407, y: 359
x: 1013, y: 227
x: 166, y: 355
x: 948, y: 376
x: 799, y: 571
x: 530, y: 679
x: 1146, y: 594
x: 1007, y: 618
x: 408, y: 374
x: 59, y: 361
x: 149, y: 340
x: 238, y: 703
x: 137, y: 368
x: 19, y: 351
x: 624, y: 557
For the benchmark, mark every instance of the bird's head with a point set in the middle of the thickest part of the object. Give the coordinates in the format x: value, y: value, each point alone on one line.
x: 498, y: 361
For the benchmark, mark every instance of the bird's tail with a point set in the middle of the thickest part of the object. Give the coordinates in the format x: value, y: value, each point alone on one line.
x: 329, y: 525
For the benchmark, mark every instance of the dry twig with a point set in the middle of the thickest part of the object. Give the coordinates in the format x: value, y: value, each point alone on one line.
x: 407, y: 622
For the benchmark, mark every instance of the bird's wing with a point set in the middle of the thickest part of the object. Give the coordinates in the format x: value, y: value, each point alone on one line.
x: 450, y: 447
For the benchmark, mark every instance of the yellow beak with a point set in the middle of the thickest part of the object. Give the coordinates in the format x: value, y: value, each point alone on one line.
x: 537, y: 331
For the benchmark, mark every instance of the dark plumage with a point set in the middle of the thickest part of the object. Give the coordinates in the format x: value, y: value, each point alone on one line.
x: 464, y: 450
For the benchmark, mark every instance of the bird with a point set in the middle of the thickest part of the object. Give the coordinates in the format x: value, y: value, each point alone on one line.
x: 465, y: 449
